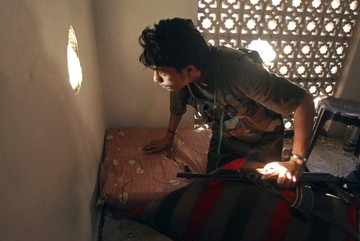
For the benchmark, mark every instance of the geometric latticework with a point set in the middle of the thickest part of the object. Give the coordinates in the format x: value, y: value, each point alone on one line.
x: 310, y: 38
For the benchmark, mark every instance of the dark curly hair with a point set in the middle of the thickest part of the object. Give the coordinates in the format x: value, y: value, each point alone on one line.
x: 175, y: 43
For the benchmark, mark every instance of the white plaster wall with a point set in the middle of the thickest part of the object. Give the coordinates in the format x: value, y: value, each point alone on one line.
x: 50, y: 139
x: 132, y: 99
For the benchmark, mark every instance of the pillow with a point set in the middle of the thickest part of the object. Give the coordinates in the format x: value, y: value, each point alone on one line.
x: 231, y: 210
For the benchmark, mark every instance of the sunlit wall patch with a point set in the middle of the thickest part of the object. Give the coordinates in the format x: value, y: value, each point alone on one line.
x: 74, y: 66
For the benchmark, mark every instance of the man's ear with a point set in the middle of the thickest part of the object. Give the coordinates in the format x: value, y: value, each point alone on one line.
x: 192, y: 72
x: 190, y: 69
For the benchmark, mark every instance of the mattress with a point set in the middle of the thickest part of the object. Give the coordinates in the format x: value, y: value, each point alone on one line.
x: 129, y: 178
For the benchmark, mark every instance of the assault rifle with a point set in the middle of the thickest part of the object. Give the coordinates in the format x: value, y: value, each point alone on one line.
x: 305, y: 201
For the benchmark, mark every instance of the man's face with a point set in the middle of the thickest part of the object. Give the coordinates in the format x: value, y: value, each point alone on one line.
x: 170, y: 79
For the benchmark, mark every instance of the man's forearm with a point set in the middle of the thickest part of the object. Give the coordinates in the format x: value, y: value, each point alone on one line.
x: 174, y: 122
x: 303, y: 124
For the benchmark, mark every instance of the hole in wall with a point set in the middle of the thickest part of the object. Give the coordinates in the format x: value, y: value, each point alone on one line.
x: 74, y: 66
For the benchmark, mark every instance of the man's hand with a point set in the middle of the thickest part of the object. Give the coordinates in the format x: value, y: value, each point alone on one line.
x: 287, y: 173
x: 163, y: 144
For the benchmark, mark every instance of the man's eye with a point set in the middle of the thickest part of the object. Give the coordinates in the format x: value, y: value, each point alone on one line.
x: 162, y: 73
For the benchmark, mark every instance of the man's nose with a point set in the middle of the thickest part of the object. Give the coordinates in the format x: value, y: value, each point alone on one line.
x: 157, y: 78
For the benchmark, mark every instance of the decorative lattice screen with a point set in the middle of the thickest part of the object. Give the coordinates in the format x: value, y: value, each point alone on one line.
x: 310, y: 38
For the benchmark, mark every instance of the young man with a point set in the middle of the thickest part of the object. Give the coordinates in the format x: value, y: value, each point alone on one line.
x: 241, y: 101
